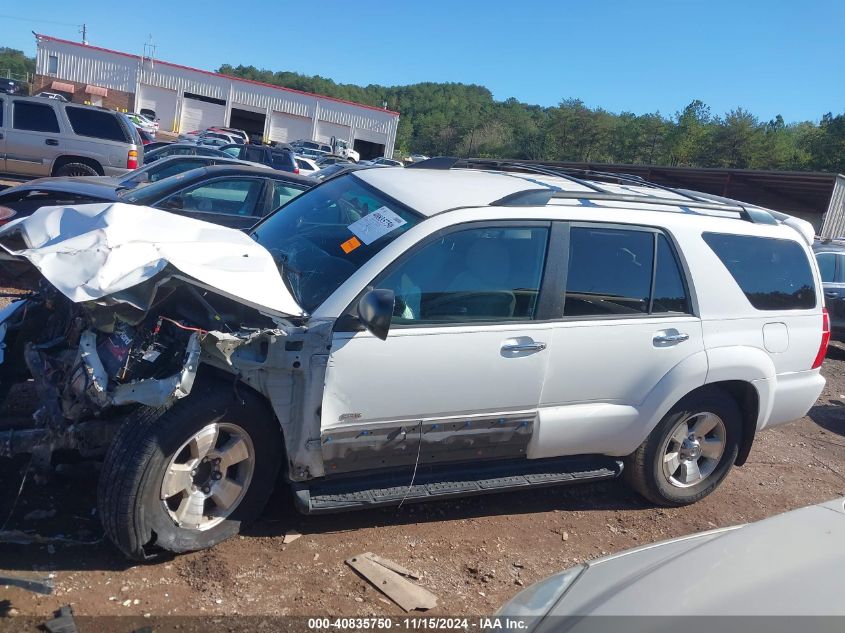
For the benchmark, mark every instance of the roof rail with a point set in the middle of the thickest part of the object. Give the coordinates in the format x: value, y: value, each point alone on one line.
x: 535, y: 197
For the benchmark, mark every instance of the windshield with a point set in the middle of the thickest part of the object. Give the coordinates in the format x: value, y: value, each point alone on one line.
x: 322, y: 237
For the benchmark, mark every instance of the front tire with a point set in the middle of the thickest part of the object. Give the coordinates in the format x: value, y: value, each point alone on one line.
x: 185, y: 478
x: 689, y: 452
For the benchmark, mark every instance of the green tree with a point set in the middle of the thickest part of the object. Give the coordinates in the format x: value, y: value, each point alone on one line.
x: 16, y: 65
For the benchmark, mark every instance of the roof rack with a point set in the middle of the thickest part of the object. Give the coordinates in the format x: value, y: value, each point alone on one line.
x: 535, y: 197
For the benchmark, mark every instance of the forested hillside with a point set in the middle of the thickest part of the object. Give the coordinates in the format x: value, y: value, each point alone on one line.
x: 459, y: 119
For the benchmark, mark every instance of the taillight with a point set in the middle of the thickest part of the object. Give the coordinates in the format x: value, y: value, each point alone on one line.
x: 132, y: 159
x: 825, y: 339
x: 6, y: 215
x: 296, y: 170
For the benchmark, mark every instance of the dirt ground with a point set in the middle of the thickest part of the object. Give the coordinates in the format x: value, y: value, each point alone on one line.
x: 474, y: 554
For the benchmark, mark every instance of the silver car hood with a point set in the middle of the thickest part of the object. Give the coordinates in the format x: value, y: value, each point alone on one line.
x: 789, y: 564
x: 91, y: 251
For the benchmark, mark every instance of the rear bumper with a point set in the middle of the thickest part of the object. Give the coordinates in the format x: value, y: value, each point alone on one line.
x: 792, y: 395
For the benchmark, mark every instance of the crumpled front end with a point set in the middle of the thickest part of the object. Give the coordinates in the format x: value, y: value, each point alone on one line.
x: 144, y: 333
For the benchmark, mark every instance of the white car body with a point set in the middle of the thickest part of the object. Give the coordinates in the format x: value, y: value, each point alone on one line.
x: 432, y: 315
x: 306, y: 166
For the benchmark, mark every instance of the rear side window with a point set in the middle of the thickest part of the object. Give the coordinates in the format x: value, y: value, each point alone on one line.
x: 35, y: 117
x: 670, y: 294
x: 282, y: 160
x: 96, y: 124
x: 773, y: 273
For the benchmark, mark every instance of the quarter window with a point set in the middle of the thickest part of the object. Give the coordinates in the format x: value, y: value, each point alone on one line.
x: 486, y: 274
x: 827, y: 266
x: 774, y: 274
x: 36, y: 117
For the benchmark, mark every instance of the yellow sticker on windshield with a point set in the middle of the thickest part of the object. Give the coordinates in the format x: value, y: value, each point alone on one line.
x: 350, y: 245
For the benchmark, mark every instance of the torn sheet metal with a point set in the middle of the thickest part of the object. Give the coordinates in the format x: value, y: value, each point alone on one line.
x: 91, y: 251
x: 391, y: 583
x: 149, y: 391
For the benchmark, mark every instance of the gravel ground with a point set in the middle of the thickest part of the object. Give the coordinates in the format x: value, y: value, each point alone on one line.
x: 473, y: 554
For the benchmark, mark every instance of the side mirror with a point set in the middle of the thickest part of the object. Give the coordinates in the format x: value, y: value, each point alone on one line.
x: 376, y: 310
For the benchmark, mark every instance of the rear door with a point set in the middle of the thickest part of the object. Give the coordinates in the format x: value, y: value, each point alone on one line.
x: 627, y: 322
x: 33, y: 138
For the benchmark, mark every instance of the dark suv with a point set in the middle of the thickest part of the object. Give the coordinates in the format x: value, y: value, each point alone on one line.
x: 831, y: 258
x: 275, y: 157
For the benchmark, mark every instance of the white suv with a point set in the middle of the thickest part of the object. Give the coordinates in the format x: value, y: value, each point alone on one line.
x: 409, y: 334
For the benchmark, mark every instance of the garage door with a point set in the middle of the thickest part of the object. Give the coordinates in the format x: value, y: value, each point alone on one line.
x: 286, y: 128
x: 163, y: 102
x: 326, y: 130
x: 198, y: 115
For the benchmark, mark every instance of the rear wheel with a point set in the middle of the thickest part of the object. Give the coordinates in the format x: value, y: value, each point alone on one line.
x: 76, y: 169
x: 690, y: 451
x: 187, y: 477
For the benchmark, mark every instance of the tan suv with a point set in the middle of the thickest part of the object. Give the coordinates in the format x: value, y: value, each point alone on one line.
x: 46, y: 137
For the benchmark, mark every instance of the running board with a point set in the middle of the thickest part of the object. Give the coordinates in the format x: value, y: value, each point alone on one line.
x: 386, y: 489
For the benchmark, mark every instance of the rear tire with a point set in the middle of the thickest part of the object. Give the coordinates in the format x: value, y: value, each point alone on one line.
x: 689, y: 452
x: 76, y: 169
x: 139, y: 513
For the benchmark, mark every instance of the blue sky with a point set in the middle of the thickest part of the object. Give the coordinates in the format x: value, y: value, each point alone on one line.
x: 771, y: 58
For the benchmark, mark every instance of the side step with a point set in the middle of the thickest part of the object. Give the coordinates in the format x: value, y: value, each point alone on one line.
x: 386, y: 489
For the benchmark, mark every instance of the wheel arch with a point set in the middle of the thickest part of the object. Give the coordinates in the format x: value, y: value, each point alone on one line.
x: 66, y: 159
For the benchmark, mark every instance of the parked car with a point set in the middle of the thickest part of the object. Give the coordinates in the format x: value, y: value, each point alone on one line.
x: 149, y: 147
x: 320, y: 148
x: 180, y: 149
x: 13, y: 86
x: 52, y: 95
x: 337, y: 169
x: 210, y: 137
x: 403, y: 335
x: 306, y: 166
x: 735, y: 575
x: 28, y: 197
x: 48, y: 137
x: 276, y: 158
x: 146, y: 137
x: 143, y: 123
x: 325, y: 161
x: 417, y: 158
x: 381, y: 161
x: 231, y: 131
x: 830, y: 256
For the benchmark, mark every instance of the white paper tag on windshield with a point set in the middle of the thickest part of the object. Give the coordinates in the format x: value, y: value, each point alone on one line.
x: 376, y: 224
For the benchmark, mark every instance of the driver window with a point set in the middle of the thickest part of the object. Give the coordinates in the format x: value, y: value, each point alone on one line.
x: 489, y: 274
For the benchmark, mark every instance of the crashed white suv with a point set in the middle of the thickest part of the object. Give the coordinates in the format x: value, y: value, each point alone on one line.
x: 407, y: 334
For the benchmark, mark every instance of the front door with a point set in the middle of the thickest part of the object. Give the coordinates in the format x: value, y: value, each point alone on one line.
x: 460, y: 374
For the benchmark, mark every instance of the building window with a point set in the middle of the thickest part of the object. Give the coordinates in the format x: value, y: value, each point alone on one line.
x: 53, y: 65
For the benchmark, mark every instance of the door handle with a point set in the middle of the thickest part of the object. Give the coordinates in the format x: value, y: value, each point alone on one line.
x: 51, y: 141
x: 670, y: 337
x: 515, y: 345
x: 831, y: 293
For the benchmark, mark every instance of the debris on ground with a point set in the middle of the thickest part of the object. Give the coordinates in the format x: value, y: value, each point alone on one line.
x: 18, y: 537
x: 63, y: 622
x: 383, y: 575
x: 290, y: 537
x: 44, y: 587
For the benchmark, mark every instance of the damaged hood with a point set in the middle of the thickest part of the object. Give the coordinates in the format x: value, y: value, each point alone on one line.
x: 91, y: 251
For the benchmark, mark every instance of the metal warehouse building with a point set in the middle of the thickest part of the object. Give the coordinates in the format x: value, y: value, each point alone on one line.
x: 187, y: 99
